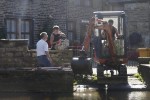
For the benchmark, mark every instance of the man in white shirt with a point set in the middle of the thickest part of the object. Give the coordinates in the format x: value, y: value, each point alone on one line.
x: 43, y: 56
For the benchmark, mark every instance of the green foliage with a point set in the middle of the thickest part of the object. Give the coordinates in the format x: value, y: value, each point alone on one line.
x: 94, y: 77
x: 75, y: 82
x: 137, y: 75
x: 85, y: 79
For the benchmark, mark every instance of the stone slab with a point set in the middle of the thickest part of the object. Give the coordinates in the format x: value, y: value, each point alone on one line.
x: 36, y: 79
x: 144, y: 70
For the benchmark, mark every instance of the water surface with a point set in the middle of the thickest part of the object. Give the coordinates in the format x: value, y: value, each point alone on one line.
x: 87, y: 95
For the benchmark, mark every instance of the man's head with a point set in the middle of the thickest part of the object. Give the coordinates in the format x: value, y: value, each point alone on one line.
x: 55, y: 28
x: 44, y: 36
x: 110, y: 22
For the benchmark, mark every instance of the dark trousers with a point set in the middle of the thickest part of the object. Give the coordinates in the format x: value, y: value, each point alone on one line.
x: 43, y: 61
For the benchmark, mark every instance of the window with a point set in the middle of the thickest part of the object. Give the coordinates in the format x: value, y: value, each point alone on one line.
x: 18, y: 28
x: 25, y: 26
x: 70, y: 35
x: 25, y: 29
x: 71, y: 30
x: 11, y: 28
x: 70, y: 26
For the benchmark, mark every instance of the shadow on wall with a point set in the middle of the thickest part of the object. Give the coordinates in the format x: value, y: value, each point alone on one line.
x: 135, y: 39
x: 2, y: 33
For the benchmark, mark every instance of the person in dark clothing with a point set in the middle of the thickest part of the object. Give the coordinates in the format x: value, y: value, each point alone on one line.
x: 114, y: 30
x: 55, y: 38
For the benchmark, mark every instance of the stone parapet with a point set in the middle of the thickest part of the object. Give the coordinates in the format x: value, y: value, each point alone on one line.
x: 15, y: 53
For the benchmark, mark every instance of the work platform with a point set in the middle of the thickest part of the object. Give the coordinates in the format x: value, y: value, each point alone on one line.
x: 42, y: 79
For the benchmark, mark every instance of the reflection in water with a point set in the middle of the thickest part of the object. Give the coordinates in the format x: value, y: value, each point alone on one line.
x: 138, y: 96
x: 82, y: 95
x: 106, y: 89
x: 87, y: 96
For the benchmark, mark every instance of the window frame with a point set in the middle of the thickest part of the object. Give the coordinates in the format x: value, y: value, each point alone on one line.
x: 19, y: 29
x: 9, y: 33
x: 71, y: 30
x: 30, y: 28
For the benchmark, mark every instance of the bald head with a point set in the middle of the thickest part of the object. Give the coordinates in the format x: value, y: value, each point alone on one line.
x: 44, y: 36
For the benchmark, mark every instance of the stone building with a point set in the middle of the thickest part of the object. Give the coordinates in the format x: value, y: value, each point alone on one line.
x: 78, y: 14
x: 138, y: 18
x: 137, y: 11
x: 25, y: 19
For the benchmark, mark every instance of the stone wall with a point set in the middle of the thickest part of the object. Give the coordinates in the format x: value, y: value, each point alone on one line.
x: 139, y: 20
x: 138, y: 17
x: 66, y: 10
x: 36, y: 10
x: 78, y: 12
x: 15, y: 53
x: 40, y: 10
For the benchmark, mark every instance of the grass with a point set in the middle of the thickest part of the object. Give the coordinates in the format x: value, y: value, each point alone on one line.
x: 81, y: 79
x: 137, y: 75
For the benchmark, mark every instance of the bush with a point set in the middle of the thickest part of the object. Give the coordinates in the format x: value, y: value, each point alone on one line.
x: 137, y: 75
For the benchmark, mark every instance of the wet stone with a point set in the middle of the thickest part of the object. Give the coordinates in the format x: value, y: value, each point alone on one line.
x: 2, y: 50
x: 42, y: 79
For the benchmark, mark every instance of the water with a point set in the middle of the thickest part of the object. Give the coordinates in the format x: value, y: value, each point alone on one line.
x: 82, y: 92
x: 84, y: 95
